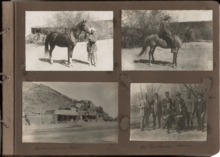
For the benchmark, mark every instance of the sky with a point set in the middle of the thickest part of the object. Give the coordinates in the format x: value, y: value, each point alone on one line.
x: 191, y: 15
x: 39, y: 18
x: 101, y: 94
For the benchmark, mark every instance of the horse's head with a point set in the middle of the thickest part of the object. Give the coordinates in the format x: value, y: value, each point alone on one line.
x: 189, y: 35
x: 83, y: 26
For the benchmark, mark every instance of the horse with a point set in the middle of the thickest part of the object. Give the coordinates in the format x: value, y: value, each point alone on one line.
x: 68, y: 40
x: 153, y: 41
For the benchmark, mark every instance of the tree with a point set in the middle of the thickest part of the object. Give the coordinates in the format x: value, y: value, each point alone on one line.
x: 152, y: 89
x: 137, y: 96
x: 68, y: 19
x: 195, y: 89
x: 137, y: 24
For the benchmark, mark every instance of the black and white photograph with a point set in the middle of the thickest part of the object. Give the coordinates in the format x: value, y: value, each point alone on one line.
x: 69, y: 41
x: 70, y: 112
x: 168, y: 112
x: 167, y: 40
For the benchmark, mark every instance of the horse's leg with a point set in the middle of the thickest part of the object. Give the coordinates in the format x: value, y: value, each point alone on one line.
x: 173, y: 59
x: 176, y: 59
x: 150, y: 55
x: 51, y: 51
x: 153, y: 53
x: 70, y: 55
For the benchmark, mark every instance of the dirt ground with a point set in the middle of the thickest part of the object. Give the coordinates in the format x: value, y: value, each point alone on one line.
x: 161, y: 134
x: 36, y: 60
x: 192, y: 56
x: 80, y: 132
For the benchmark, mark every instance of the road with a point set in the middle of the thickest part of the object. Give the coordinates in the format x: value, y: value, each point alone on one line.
x: 194, y: 56
x: 161, y: 134
x: 90, y: 132
x: 36, y: 60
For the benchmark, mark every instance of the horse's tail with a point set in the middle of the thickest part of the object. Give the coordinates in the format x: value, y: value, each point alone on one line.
x: 143, y: 49
x: 46, y: 44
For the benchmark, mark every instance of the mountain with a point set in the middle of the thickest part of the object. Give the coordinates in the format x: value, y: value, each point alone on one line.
x: 37, y: 97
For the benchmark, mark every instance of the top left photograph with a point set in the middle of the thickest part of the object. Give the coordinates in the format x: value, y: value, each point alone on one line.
x: 69, y: 40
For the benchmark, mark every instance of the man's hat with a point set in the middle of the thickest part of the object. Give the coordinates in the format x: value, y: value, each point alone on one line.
x: 166, y: 92
x: 167, y: 17
x: 92, y: 30
x: 178, y: 93
x: 156, y: 94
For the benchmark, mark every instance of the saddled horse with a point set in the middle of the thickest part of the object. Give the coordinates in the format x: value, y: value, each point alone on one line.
x: 153, y: 41
x: 68, y: 40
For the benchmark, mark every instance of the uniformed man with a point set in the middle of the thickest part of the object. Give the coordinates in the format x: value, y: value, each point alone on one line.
x: 166, y: 34
x: 178, y: 101
x: 144, y: 109
x: 165, y: 101
x: 200, y: 109
x: 156, y: 110
x: 190, y: 111
x: 92, y: 47
x: 167, y: 115
x: 180, y: 118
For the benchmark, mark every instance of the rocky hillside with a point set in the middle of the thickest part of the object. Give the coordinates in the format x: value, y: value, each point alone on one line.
x: 37, y: 95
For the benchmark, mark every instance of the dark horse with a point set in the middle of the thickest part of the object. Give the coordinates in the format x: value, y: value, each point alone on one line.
x: 153, y: 41
x: 65, y: 40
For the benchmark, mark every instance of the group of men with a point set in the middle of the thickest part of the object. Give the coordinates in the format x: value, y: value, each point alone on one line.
x: 177, y: 111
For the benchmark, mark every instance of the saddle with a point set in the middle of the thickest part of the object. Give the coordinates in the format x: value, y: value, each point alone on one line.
x: 171, y: 41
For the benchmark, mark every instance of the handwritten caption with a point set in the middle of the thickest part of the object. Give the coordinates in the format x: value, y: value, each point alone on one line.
x: 57, y: 148
x: 151, y: 146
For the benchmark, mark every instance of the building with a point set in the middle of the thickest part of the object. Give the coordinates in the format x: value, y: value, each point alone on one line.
x: 66, y: 114
x: 78, y: 111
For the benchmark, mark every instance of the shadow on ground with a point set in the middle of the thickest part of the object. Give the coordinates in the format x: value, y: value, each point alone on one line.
x: 145, y: 61
x: 63, y: 62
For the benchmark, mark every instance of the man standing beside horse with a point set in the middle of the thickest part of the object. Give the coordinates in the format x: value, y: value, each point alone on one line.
x: 92, y: 47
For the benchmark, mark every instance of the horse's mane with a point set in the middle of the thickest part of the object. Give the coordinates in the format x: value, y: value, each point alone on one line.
x: 74, y: 28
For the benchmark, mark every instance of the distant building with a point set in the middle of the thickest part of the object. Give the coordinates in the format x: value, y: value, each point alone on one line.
x: 80, y: 110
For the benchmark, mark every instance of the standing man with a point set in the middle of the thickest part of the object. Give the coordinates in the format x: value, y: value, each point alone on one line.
x: 165, y: 101
x: 167, y: 115
x: 147, y: 111
x: 178, y: 101
x: 190, y: 111
x: 180, y: 118
x: 166, y: 34
x: 156, y: 110
x: 144, y: 105
x: 200, y: 110
x: 92, y: 47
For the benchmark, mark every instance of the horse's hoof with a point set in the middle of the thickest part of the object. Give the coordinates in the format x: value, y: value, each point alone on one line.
x: 70, y: 65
